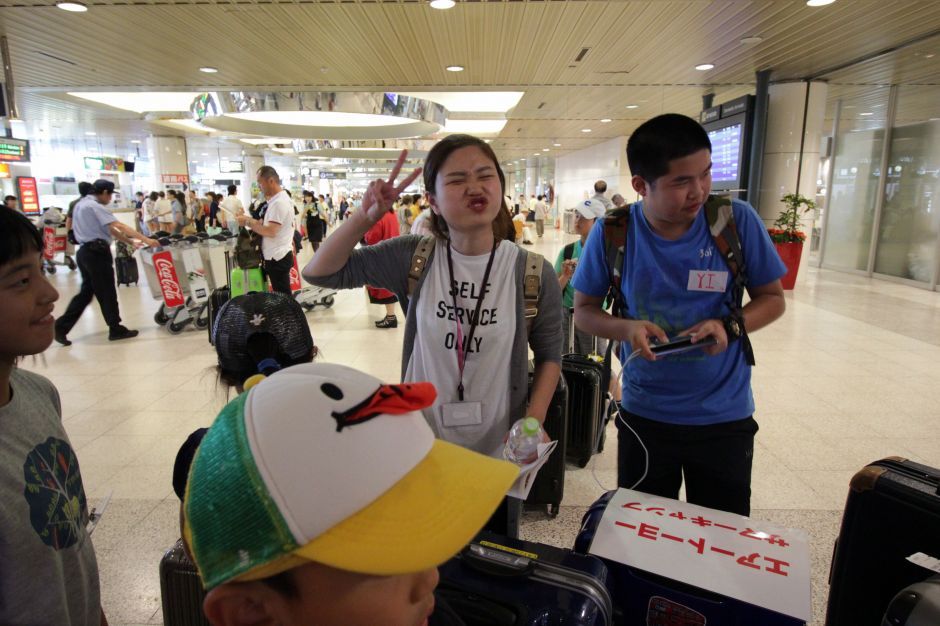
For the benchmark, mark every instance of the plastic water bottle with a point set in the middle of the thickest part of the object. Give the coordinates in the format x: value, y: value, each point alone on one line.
x: 522, y: 445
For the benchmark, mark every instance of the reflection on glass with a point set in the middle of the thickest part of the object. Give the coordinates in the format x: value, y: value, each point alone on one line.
x: 910, y: 220
x: 852, y: 205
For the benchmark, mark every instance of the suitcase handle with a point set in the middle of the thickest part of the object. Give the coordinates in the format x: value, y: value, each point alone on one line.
x: 496, y: 562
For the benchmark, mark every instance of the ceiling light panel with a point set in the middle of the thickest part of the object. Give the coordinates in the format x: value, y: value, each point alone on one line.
x: 471, y: 101
x: 474, y: 127
x: 140, y: 101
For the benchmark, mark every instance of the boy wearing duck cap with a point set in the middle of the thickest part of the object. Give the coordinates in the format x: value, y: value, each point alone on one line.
x: 320, y: 496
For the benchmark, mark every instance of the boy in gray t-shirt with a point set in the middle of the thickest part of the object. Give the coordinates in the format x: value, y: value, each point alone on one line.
x: 48, y: 571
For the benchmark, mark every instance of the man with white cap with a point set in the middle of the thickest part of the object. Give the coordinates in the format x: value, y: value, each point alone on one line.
x: 320, y: 496
x: 585, y: 213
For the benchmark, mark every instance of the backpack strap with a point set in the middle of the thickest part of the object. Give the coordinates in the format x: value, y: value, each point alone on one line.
x: 568, y: 252
x: 616, y: 225
x: 531, y: 285
x: 419, y: 261
x: 724, y: 232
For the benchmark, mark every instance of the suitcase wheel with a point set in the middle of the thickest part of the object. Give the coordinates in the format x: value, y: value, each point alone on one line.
x: 552, y: 510
x: 583, y: 461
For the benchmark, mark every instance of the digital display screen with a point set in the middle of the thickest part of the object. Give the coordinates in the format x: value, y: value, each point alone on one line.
x: 726, y: 153
x: 14, y: 150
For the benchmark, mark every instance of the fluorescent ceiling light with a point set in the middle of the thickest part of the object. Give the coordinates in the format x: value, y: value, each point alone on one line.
x: 633, y: 106
x: 206, y: 69
x: 92, y: 134
x: 546, y: 149
x: 866, y: 113
x: 585, y: 130
x: 818, y: 3
x: 283, y: 150
x: 135, y: 140
x: 606, y: 120
x: 320, y: 118
x: 140, y: 101
x: 72, y: 7
x: 190, y: 125
x: 474, y: 127
x: 454, y: 68
x: 704, y: 67
x: 265, y: 141
x: 442, y: 4
x: 471, y: 101
x: 557, y: 145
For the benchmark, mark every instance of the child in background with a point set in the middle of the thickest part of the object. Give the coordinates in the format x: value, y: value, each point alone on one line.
x: 48, y: 570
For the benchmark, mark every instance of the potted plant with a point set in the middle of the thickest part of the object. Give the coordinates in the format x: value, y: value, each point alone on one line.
x: 787, y: 236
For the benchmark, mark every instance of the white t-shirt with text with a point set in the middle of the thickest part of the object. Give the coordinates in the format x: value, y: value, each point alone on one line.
x: 486, y: 374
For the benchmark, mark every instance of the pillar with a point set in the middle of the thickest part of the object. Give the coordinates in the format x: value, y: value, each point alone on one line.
x: 795, y: 117
x: 170, y: 162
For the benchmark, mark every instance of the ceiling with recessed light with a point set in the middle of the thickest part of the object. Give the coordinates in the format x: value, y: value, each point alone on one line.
x: 565, y: 65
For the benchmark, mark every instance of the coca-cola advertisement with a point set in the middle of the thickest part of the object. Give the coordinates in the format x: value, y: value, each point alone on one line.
x: 169, y: 282
x: 295, y: 283
x: 48, y: 243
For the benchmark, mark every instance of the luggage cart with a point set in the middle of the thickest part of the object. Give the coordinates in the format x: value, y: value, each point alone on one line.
x: 55, y: 240
x: 176, y: 275
x: 309, y: 297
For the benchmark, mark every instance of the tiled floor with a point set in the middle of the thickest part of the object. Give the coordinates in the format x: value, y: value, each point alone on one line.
x: 847, y: 376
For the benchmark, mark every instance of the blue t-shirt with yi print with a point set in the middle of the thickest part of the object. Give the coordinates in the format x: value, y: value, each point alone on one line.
x: 675, y: 285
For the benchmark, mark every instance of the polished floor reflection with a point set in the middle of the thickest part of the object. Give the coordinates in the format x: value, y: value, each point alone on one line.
x: 849, y: 375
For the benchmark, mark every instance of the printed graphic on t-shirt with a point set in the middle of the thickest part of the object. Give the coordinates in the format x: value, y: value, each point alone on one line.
x: 57, y: 507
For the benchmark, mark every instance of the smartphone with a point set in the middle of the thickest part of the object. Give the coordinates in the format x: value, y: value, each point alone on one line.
x: 680, y: 344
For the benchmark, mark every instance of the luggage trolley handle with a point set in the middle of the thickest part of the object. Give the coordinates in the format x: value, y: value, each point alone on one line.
x: 496, y: 562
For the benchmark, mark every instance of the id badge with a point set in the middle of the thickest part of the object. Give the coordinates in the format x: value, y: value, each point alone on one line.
x: 458, y: 414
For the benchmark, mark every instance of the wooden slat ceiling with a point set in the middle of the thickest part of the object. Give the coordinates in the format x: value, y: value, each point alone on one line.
x: 639, y: 52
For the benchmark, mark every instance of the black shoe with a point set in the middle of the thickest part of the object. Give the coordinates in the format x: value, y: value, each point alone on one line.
x: 61, y: 338
x: 120, y: 332
x: 390, y: 321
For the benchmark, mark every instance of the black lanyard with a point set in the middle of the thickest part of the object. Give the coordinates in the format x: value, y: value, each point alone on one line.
x: 461, y: 356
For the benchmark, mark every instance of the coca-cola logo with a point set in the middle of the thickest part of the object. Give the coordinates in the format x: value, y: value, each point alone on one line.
x: 48, y: 241
x: 169, y: 285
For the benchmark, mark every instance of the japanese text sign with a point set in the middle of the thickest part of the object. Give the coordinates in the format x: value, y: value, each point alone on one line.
x: 738, y: 557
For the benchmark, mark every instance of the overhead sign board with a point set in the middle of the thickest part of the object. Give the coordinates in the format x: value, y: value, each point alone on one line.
x: 231, y: 167
x: 332, y: 175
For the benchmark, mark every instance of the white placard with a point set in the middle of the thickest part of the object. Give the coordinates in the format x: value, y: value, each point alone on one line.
x: 738, y: 557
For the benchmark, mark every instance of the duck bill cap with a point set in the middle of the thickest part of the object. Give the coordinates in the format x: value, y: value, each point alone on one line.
x: 323, y: 463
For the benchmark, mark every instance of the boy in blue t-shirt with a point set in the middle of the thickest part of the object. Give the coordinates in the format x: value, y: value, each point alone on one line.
x: 690, y: 414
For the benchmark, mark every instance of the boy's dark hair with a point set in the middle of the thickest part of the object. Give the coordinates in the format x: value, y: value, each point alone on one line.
x: 231, y: 190
x: 85, y: 188
x: 663, y: 139
x: 541, y: 197
x: 435, y: 160
x: 153, y: 194
x: 18, y: 236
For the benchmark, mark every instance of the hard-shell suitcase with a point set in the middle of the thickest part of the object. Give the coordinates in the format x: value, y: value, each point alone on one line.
x: 892, y: 512
x: 915, y: 605
x: 644, y: 598
x: 126, y: 269
x: 549, y: 486
x: 497, y: 581
x: 180, y: 589
x: 586, y: 403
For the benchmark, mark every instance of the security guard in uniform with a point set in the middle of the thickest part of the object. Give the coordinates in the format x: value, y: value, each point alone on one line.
x: 94, y: 226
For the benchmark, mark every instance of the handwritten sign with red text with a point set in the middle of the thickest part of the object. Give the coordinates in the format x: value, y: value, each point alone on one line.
x: 738, y: 557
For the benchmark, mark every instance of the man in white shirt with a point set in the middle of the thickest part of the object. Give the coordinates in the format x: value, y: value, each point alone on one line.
x: 541, y: 214
x: 276, y: 230
x: 233, y: 207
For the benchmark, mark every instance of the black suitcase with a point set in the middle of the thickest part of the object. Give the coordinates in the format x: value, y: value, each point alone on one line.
x: 892, y: 512
x: 498, y: 581
x: 126, y: 268
x: 587, y: 397
x: 549, y: 486
x: 180, y: 589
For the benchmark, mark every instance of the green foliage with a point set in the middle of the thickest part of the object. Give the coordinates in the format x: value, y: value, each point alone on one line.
x: 788, y: 222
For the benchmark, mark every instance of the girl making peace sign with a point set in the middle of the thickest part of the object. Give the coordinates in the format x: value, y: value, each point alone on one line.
x: 466, y: 330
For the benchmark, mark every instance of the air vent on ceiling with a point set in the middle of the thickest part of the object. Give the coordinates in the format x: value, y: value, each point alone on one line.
x: 581, y: 55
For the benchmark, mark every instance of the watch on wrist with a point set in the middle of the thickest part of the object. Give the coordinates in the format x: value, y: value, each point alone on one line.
x: 734, y: 327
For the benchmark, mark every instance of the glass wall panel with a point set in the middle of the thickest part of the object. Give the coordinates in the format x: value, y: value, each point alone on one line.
x: 859, y: 141
x: 910, y: 217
